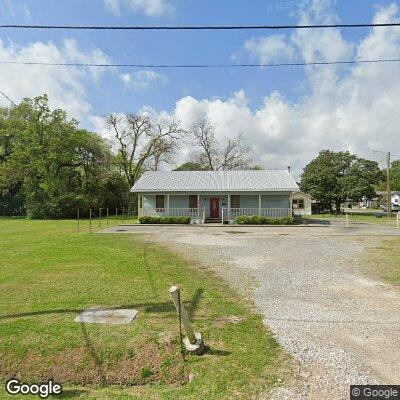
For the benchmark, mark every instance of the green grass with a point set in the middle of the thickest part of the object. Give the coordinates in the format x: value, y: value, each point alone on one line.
x: 356, y: 218
x: 48, y: 272
x: 385, y: 260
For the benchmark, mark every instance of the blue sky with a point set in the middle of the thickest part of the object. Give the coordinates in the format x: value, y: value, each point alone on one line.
x: 96, y: 94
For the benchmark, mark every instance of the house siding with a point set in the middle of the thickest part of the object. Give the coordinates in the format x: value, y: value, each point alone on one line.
x: 275, y: 201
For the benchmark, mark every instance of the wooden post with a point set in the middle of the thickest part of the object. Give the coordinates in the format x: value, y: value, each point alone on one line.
x: 347, y: 220
x: 168, y: 205
x: 222, y: 215
x: 78, y: 219
x: 229, y: 206
x: 99, y: 217
x: 198, y: 207
x: 116, y: 215
x: 90, y: 218
x: 259, y: 204
x: 107, y: 216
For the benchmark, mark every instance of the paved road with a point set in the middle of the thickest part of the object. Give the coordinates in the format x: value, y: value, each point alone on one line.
x: 342, y: 325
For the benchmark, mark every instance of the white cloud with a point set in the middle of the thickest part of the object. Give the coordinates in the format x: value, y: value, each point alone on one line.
x: 64, y: 84
x: 15, y: 10
x: 270, y: 48
x: 150, y: 8
x: 143, y: 80
x: 345, y: 108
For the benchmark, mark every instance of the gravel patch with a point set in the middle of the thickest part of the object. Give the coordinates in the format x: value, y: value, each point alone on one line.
x: 341, y: 326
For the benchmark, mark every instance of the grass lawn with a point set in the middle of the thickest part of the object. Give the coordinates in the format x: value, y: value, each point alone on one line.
x: 385, y: 260
x: 49, y: 272
x: 356, y: 218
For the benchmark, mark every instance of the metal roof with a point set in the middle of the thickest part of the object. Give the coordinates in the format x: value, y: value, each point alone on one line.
x: 215, y: 181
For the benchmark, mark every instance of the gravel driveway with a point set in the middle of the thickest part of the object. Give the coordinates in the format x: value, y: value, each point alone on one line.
x: 341, y: 325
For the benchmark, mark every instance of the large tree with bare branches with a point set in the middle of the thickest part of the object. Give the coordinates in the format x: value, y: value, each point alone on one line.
x: 143, y: 142
x: 212, y: 155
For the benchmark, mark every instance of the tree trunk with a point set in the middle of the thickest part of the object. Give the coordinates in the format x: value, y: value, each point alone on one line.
x: 337, y: 206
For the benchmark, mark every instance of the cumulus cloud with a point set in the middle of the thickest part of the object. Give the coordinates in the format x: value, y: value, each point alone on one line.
x: 64, y: 85
x: 270, y: 48
x: 344, y: 108
x: 150, y: 8
x: 143, y: 80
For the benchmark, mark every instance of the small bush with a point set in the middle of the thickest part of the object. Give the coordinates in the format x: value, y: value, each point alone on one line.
x: 260, y: 220
x: 164, y: 220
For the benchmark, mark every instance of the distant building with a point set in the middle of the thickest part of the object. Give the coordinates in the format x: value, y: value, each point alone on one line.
x: 301, y: 203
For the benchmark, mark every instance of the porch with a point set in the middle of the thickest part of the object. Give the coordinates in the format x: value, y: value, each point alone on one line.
x: 227, y: 214
x: 218, y: 207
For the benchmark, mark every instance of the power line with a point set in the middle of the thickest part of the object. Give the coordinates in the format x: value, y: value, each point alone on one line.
x: 192, y: 28
x: 7, y: 98
x: 298, y: 64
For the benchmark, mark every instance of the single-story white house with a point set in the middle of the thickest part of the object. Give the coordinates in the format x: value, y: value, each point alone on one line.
x: 215, y: 196
x: 301, y: 203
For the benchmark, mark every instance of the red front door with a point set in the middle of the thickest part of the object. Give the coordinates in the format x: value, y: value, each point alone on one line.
x: 214, y: 207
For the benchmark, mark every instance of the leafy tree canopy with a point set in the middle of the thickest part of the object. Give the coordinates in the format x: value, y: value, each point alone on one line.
x: 48, y: 165
x: 334, y: 177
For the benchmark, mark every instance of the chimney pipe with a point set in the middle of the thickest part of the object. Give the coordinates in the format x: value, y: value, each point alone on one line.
x: 288, y: 168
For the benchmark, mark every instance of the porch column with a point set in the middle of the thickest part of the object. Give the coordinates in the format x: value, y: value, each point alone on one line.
x: 259, y: 204
x: 168, y: 204
x: 229, y: 206
x: 140, y: 210
x: 198, y: 206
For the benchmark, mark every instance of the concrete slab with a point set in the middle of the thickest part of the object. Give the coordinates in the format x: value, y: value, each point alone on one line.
x: 106, y: 316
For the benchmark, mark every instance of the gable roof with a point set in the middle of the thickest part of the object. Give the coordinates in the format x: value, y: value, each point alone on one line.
x: 215, y: 181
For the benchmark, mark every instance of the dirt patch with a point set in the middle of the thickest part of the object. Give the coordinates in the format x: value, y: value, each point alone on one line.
x: 232, y: 319
x: 144, y: 363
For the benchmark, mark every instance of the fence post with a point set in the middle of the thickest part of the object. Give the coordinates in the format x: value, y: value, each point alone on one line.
x: 123, y: 210
x: 193, y: 342
x: 78, y: 219
x: 107, y: 216
x: 99, y: 217
x: 116, y: 215
x: 90, y: 218
x: 347, y: 220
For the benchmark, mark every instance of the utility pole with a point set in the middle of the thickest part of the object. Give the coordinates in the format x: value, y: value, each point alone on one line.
x: 389, y: 192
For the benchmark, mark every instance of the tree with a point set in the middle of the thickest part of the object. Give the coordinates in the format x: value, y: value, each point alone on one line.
x: 336, y: 177
x: 189, y: 166
x: 49, y: 165
x: 395, y: 175
x: 143, y: 143
x: 212, y: 155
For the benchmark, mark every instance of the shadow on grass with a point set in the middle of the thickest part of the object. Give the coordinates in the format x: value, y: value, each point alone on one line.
x: 216, y: 352
x: 193, y: 305
x: 166, y: 307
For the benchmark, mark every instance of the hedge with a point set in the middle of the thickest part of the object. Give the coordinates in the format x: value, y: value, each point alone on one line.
x: 164, y: 220
x: 260, y: 220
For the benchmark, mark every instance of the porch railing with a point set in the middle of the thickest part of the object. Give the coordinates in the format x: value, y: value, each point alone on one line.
x: 227, y: 213
x: 171, y: 212
x: 233, y: 213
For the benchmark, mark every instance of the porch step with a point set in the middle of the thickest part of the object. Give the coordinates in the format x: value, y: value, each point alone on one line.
x: 213, y: 221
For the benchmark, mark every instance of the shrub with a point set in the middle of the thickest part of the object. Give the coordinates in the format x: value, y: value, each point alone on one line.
x: 164, y: 220
x: 261, y: 220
